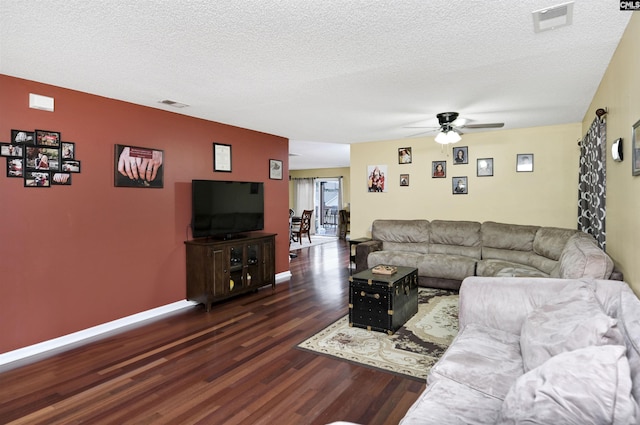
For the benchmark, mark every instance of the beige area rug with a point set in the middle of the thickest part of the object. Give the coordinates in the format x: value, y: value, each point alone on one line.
x: 315, y: 240
x: 411, y: 351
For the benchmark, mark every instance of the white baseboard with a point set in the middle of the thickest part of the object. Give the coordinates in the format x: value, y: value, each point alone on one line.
x: 68, y: 341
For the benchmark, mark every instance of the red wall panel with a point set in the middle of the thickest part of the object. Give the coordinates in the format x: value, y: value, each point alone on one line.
x: 72, y: 257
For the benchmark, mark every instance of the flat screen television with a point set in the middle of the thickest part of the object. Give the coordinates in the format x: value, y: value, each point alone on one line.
x: 226, y: 209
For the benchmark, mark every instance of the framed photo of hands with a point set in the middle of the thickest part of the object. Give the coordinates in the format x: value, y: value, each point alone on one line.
x: 138, y: 167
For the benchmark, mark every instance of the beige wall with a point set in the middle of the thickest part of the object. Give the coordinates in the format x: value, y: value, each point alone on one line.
x: 547, y: 196
x: 619, y: 91
x: 323, y: 172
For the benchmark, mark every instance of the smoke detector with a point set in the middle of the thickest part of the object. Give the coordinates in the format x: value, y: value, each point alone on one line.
x: 553, y: 17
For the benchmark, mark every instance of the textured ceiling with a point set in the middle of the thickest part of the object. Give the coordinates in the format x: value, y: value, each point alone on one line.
x: 321, y: 71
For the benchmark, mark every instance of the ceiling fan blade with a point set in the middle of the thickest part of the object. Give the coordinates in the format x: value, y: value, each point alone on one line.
x: 421, y: 126
x: 420, y: 133
x: 487, y: 125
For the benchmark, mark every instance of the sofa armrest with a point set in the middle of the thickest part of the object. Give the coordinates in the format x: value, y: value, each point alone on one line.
x: 616, y: 274
x: 504, y: 302
x: 362, y: 252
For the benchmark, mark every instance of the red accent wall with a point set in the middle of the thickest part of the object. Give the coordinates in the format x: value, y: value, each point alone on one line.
x: 72, y: 257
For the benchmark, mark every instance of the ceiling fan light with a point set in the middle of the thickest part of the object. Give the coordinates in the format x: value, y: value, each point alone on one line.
x: 453, y: 137
x: 442, y: 138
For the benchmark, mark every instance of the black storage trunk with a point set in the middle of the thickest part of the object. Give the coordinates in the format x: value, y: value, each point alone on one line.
x: 383, y: 302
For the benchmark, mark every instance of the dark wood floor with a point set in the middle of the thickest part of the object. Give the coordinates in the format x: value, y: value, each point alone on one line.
x: 234, y: 365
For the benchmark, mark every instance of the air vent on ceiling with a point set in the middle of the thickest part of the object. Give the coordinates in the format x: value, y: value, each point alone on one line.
x: 174, y: 103
x: 553, y: 17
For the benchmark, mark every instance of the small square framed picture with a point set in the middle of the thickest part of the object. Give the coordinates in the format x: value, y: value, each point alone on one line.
x: 275, y: 169
x: 485, y: 167
x: 459, y: 185
x: 404, y: 155
x: 438, y: 169
x: 404, y: 179
x: 461, y: 155
x: 524, y: 163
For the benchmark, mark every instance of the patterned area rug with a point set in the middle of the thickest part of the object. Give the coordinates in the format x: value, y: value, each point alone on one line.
x: 411, y: 351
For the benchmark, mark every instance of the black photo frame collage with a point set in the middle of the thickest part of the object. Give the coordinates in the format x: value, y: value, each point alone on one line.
x: 40, y: 158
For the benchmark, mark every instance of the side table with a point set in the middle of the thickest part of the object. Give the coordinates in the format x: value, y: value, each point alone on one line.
x: 352, y: 249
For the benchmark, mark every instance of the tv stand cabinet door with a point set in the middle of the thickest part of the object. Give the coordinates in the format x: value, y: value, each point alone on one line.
x: 268, y: 263
x: 205, y: 274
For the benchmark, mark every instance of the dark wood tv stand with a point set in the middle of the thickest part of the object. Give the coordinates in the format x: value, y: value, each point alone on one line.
x: 221, y: 269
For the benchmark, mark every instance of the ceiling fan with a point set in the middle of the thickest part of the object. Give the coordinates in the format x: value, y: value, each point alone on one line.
x: 451, y: 126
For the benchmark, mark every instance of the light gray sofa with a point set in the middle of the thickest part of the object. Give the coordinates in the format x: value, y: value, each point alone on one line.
x: 446, y: 251
x: 538, y: 351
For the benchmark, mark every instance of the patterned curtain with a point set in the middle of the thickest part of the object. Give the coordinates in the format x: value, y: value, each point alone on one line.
x: 592, y: 183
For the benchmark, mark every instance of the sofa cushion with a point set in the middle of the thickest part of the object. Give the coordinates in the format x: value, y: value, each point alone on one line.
x: 446, y: 402
x: 400, y: 230
x: 586, y: 386
x: 527, y: 258
x: 395, y: 258
x: 572, y: 320
x: 550, y: 241
x: 485, y: 359
x: 456, y: 237
x: 419, y: 247
x: 508, y: 236
x: 446, y: 266
x: 490, y: 267
x: 582, y: 257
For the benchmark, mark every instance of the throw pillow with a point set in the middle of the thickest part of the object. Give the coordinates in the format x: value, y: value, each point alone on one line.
x: 572, y: 320
x: 591, y: 385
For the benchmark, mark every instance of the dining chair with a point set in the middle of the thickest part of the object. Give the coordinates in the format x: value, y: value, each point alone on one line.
x: 303, y: 227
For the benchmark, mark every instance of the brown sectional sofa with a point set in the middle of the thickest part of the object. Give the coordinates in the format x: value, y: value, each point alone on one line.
x: 447, y: 251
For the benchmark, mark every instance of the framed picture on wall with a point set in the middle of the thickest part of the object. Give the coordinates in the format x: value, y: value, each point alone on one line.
x: 37, y: 179
x: 68, y: 150
x: 635, y: 149
x: 461, y: 155
x: 42, y: 158
x: 48, y: 138
x: 438, y: 169
x: 484, y: 167
x: 22, y: 136
x: 221, y: 157
x: 15, y: 167
x: 61, y: 179
x: 73, y: 166
x: 524, y: 163
x: 376, y: 176
x: 134, y: 166
x: 11, y: 150
x: 404, y: 179
x: 459, y: 185
x: 275, y: 169
x: 404, y: 155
